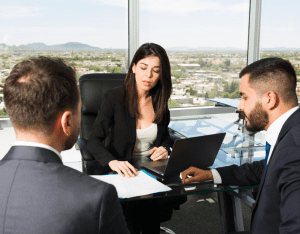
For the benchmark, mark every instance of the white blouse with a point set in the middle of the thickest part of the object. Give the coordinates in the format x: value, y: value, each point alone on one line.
x: 145, y: 139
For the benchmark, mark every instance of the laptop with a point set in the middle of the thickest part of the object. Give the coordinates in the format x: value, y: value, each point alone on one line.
x: 199, y: 152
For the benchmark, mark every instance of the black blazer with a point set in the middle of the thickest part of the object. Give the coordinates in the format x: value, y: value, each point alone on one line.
x: 112, y: 114
x: 40, y: 195
x: 277, y: 206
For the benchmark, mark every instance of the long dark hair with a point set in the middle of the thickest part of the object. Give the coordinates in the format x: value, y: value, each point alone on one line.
x: 160, y: 93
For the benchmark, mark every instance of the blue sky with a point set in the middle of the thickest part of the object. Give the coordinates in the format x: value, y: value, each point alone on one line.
x: 171, y: 23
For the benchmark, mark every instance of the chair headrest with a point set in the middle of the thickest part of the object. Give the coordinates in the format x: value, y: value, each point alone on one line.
x: 94, y: 86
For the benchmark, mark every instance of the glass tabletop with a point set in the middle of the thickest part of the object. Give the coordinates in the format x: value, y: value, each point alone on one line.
x: 175, y: 183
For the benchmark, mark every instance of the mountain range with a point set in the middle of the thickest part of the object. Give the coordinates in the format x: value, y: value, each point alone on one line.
x: 76, y: 46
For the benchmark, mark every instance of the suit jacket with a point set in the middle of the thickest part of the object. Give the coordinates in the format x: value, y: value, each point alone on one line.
x: 112, y: 115
x: 277, y: 206
x: 40, y: 195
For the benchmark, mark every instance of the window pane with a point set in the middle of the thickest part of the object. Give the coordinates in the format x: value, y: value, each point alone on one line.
x: 92, y: 35
x: 206, y: 42
x: 280, y: 32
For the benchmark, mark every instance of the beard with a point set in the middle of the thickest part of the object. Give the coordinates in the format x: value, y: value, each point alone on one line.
x: 258, y: 119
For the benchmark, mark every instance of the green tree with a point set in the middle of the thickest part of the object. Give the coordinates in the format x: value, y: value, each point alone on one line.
x: 211, y: 94
x: 202, y: 63
x: 95, y: 68
x: 225, y: 95
x: 192, y: 91
x: 235, y: 94
x: 3, y: 113
x: 297, y: 71
x: 178, y: 74
x: 232, y: 87
x: 114, y: 70
x: 172, y: 103
x: 175, y: 67
x: 227, y: 62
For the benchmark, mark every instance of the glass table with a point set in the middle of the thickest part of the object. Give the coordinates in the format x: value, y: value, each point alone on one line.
x: 231, y: 218
x: 238, y: 147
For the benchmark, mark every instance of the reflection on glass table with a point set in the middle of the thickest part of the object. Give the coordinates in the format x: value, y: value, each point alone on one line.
x: 238, y: 147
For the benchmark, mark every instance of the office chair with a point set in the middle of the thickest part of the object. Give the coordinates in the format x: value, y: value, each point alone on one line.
x: 92, y: 89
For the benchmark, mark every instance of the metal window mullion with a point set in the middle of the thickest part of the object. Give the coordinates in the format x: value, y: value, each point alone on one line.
x: 254, y: 31
x: 133, y: 28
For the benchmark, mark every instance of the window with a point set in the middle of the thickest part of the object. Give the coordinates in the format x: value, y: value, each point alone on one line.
x: 280, y: 32
x: 92, y: 35
x: 206, y: 42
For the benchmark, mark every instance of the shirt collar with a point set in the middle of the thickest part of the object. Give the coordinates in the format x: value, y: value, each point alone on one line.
x: 35, y: 144
x: 275, y: 128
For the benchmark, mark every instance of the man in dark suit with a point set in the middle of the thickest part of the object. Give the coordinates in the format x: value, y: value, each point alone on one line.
x: 38, y: 193
x: 269, y: 102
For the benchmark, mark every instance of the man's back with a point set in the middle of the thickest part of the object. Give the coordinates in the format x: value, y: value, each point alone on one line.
x: 40, y: 195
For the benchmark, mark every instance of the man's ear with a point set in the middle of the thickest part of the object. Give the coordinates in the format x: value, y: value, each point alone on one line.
x: 65, y: 121
x: 270, y: 100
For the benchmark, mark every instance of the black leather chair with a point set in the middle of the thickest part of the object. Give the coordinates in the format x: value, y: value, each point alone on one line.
x: 92, y: 88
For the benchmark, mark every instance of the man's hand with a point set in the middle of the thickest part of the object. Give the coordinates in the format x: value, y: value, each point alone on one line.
x: 123, y: 168
x: 158, y: 153
x: 198, y: 175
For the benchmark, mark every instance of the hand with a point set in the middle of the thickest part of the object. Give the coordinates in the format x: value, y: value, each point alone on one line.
x: 198, y: 175
x: 158, y: 153
x: 124, y: 168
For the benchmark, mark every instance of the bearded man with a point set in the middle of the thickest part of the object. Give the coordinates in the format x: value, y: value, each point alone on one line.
x: 269, y: 102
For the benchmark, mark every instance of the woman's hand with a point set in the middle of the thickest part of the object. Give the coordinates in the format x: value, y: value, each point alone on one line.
x: 158, y: 153
x: 124, y: 168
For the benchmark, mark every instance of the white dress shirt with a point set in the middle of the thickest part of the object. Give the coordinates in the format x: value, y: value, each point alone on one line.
x: 271, y: 137
x: 34, y: 144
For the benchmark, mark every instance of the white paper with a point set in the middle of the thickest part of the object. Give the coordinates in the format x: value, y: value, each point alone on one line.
x: 140, y: 185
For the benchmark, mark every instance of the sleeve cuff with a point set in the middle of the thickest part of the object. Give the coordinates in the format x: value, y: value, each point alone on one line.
x: 217, y: 177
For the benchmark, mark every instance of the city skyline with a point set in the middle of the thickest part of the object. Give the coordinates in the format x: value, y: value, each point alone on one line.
x: 76, y: 45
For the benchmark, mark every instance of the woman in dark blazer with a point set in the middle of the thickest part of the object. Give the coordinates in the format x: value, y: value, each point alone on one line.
x: 140, y: 103
x: 123, y: 130
x: 137, y: 115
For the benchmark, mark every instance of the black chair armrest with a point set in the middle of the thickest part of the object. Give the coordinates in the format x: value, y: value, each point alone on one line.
x: 90, y: 166
x: 173, y: 138
x: 85, y: 154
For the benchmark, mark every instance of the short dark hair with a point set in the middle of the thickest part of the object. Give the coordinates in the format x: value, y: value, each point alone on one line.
x: 163, y: 89
x: 37, y: 90
x: 274, y: 74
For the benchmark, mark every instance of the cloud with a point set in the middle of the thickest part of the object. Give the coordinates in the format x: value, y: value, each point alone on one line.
x: 180, y: 6
x: 13, y: 12
x: 5, y: 39
x: 118, y: 3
